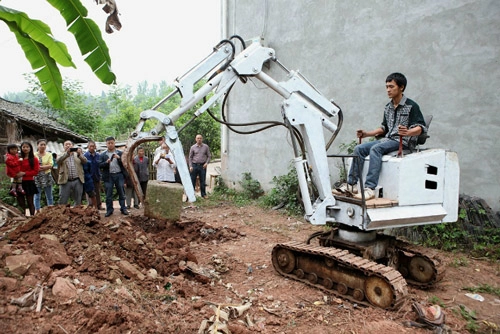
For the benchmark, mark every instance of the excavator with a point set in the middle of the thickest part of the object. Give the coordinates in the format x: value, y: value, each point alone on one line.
x: 351, y: 258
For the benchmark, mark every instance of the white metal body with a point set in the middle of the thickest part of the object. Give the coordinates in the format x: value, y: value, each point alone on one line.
x: 424, y: 184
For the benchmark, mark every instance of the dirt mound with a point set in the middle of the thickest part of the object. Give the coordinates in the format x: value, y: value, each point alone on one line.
x: 103, y: 263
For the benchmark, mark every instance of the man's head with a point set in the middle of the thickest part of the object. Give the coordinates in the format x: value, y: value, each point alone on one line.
x: 199, y: 139
x: 140, y: 151
x: 110, y: 143
x: 398, y: 78
x: 91, y: 146
x: 68, y: 144
x: 165, y: 147
x: 395, y: 85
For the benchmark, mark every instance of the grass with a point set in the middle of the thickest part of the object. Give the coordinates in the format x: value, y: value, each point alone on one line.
x: 484, y: 288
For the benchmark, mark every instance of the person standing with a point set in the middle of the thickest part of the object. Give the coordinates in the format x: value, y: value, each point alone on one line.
x: 93, y: 158
x: 43, y: 179
x: 141, y: 167
x: 113, y: 176
x: 88, y: 185
x: 130, y: 193
x: 165, y: 165
x: 199, y: 157
x: 71, y: 177
x: 13, y: 167
x: 402, y: 118
x: 29, y: 168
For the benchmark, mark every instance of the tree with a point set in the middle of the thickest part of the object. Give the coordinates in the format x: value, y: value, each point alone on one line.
x: 81, y: 113
x: 44, y: 52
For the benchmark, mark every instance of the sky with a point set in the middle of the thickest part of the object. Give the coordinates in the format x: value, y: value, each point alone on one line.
x: 159, y: 40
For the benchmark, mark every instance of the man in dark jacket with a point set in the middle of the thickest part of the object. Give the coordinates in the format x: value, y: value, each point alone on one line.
x: 113, y: 175
x: 93, y: 159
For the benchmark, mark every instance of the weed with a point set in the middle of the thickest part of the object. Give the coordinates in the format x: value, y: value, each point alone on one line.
x: 251, y: 187
x: 469, y: 316
x: 484, y: 288
x: 285, y: 193
x: 436, y: 301
x: 460, y: 262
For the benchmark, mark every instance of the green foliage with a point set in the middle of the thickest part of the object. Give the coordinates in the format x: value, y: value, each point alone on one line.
x: 251, y: 187
x: 285, y: 191
x: 247, y: 196
x: 344, y: 148
x: 80, y: 114
x: 469, y: 316
x: 484, y: 288
x: 5, y: 188
x: 436, y: 301
x: 348, y: 147
x: 483, y: 242
x: 44, y: 52
x: 460, y: 262
x: 204, y: 124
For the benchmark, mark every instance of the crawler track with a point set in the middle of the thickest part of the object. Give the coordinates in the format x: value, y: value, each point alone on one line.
x: 421, y: 267
x: 341, y: 273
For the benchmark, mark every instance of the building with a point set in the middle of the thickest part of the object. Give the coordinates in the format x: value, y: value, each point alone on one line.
x: 449, y: 51
x: 21, y: 122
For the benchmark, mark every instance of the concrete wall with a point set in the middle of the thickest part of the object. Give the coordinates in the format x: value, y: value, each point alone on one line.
x: 448, y: 49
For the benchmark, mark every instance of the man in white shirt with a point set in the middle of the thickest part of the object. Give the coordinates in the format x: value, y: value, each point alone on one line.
x: 165, y: 165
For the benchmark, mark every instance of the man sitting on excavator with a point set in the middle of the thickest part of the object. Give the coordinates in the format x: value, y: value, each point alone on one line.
x: 402, y: 117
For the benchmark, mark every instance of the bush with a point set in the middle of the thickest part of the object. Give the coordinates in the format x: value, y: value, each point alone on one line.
x: 285, y: 193
x: 251, y: 188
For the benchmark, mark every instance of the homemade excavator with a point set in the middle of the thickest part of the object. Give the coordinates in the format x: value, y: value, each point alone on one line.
x: 352, y: 259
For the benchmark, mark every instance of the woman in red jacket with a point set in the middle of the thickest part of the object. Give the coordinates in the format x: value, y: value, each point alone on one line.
x: 29, y: 169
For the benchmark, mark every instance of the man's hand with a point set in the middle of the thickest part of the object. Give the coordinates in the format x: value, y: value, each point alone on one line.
x: 403, y: 130
x: 360, y: 133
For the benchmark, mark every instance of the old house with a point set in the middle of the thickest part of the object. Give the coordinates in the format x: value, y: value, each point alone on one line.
x: 20, y: 122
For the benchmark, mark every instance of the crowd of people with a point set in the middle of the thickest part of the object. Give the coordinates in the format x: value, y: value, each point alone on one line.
x: 80, y: 174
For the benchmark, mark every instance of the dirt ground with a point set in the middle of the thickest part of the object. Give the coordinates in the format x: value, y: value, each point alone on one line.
x: 70, y: 270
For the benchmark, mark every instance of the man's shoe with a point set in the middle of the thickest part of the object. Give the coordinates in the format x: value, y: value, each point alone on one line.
x: 101, y: 208
x: 109, y: 213
x: 136, y: 206
x: 344, y: 189
x: 125, y: 212
x: 369, y: 194
x: 128, y: 207
x: 13, y: 192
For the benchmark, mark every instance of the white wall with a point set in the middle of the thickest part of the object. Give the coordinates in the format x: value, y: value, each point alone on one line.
x: 448, y: 49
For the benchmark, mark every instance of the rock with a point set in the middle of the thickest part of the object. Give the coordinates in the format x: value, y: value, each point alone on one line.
x: 8, y: 284
x: 64, y: 289
x: 152, y: 273
x: 163, y: 200
x: 130, y: 271
x: 49, y: 237
x: 20, y: 264
x: 123, y: 292
x: 5, y: 250
x: 55, y: 253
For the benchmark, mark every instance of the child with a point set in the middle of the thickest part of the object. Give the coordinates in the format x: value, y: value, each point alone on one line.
x: 13, y: 163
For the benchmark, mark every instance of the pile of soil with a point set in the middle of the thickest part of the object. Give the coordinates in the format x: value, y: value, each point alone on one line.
x: 71, y: 270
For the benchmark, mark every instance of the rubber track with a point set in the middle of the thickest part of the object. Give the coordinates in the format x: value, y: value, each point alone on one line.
x: 438, y: 265
x: 367, y: 267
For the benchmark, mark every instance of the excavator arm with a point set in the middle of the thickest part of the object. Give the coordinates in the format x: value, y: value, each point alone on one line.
x: 304, y: 108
